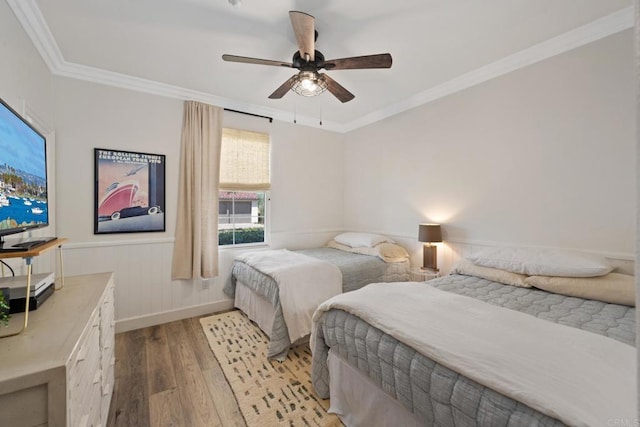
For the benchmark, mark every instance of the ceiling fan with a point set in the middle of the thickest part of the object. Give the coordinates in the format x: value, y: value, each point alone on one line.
x: 309, y: 81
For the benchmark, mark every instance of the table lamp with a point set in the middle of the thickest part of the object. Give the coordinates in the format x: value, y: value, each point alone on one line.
x: 430, y: 233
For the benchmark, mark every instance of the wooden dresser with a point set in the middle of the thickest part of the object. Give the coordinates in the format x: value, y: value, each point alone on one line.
x: 59, y: 371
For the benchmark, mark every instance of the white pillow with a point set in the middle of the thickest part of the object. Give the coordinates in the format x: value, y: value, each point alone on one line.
x: 466, y: 267
x: 542, y: 262
x: 388, y: 252
x: 360, y: 240
x: 615, y: 288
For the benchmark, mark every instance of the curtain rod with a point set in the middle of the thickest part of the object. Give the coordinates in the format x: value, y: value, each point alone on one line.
x: 250, y: 114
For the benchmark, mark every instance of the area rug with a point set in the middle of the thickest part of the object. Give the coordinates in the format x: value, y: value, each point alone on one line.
x: 269, y: 393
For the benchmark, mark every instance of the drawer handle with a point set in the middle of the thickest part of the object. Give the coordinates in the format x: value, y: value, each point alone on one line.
x: 106, y: 390
x: 82, y: 354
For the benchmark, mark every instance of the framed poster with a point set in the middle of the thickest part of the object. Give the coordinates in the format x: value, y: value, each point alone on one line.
x: 129, y: 192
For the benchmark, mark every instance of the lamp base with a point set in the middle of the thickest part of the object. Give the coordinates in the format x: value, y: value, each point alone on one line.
x: 430, y: 258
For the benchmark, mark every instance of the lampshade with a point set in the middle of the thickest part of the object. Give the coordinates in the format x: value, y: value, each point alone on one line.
x: 309, y: 83
x: 430, y: 233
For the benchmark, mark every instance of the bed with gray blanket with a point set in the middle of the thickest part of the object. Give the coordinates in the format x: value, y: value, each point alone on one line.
x: 434, y: 394
x: 257, y: 295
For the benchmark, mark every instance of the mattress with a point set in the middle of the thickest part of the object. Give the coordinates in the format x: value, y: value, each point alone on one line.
x: 435, y: 394
x: 357, y: 271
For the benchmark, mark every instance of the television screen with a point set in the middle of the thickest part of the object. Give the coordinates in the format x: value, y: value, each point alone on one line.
x: 23, y: 174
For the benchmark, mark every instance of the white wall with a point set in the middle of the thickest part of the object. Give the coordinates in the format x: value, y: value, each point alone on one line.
x: 544, y: 156
x: 25, y: 84
x: 306, y: 196
x: 24, y: 78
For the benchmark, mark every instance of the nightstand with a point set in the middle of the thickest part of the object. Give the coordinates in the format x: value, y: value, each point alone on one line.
x: 420, y: 275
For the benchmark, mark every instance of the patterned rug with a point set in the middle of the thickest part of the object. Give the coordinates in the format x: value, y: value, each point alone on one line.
x: 269, y: 393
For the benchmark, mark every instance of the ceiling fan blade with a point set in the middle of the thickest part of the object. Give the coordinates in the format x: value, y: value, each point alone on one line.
x: 382, y: 60
x: 338, y: 90
x: 304, y: 29
x: 247, y: 60
x: 283, y: 89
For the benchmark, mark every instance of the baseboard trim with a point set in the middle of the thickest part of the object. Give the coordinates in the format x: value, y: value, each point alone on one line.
x: 145, y: 321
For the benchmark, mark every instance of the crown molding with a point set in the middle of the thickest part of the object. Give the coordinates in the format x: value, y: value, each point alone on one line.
x: 124, y: 81
x: 34, y: 24
x: 596, y: 30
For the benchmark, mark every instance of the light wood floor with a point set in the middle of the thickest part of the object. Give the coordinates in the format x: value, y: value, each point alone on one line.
x: 166, y: 375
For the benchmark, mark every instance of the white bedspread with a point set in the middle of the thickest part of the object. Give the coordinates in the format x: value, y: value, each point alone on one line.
x: 575, y: 376
x: 303, y: 283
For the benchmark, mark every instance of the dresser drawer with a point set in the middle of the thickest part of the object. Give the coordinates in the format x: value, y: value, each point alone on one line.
x: 84, y: 370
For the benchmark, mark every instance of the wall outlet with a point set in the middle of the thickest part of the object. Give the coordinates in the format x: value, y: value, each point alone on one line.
x: 205, y: 283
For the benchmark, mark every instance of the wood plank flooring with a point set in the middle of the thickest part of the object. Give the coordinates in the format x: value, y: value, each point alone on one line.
x: 166, y: 375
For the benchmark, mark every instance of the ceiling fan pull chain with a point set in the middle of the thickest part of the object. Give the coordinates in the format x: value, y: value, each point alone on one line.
x: 320, y: 112
x: 295, y: 112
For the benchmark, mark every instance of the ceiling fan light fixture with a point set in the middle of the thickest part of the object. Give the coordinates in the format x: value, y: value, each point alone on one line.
x: 309, y: 83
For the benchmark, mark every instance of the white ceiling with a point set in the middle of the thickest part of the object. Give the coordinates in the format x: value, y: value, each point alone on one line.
x: 174, y: 47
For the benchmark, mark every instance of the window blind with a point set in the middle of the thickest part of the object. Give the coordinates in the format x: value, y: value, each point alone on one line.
x: 244, y: 160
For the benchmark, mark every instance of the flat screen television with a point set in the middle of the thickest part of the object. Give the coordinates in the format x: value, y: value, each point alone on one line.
x: 24, y: 204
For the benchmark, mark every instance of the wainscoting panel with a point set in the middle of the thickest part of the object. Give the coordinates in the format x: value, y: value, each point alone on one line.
x: 450, y: 251
x: 144, y: 292
x: 143, y: 277
x: 145, y: 295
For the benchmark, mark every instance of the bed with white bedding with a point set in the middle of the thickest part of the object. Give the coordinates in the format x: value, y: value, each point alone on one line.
x: 465, y: 350
x: 257, y: 289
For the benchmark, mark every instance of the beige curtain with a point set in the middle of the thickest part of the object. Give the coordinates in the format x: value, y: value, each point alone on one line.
x: 195, y: 252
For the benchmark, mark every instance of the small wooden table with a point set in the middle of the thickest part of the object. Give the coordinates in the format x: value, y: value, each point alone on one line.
x: 28, y: 258
x: 425, y: 275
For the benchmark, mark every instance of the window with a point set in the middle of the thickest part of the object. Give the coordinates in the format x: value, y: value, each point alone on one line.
x: 241, y: 217
x: 244, y: 185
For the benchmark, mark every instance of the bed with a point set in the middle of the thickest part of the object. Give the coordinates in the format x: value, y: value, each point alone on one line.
x: 258, y: 292
x: 378, y: 373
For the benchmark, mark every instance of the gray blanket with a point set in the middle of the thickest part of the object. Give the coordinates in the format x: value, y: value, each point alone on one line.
x: 436, y: 394
x: 357, y: 271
